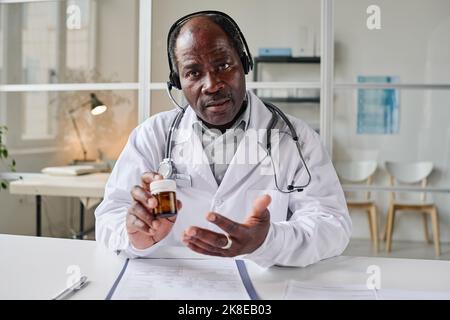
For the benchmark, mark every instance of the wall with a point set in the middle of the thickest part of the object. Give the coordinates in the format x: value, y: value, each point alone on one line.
x: 271, y: 25
x: 411, y: 44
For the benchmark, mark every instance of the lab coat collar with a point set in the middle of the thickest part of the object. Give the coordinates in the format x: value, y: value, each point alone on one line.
x: 194, y: 158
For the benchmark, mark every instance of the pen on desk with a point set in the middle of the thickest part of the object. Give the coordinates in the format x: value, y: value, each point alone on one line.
x: 72, y: 289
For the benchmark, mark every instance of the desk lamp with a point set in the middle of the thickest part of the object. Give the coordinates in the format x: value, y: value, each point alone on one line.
x: 97, y: 107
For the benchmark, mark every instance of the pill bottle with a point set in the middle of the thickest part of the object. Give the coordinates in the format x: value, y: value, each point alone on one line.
x: 165, y: 193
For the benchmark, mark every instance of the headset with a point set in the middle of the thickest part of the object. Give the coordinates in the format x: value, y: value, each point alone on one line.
x: 245, y: 56
x: 167, y: 166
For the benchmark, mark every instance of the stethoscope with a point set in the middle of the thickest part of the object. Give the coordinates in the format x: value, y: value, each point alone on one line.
x: 167, y: 167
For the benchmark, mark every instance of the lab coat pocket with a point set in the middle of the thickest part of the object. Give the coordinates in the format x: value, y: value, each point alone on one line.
x: 182, y: 177
x: 278, y: 207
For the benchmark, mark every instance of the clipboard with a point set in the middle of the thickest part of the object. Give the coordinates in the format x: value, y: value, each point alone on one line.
x: 240, y: 265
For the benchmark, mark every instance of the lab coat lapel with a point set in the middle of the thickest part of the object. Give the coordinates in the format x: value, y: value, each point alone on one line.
x: 194, y: 157
x: 251, y: 151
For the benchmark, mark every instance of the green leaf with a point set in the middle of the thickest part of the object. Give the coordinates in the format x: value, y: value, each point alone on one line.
x: 12, y: 166
x: 5, y: 153
x: 4, y: 185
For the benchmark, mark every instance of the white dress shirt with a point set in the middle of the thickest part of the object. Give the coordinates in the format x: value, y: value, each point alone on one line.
x: 220, y: 147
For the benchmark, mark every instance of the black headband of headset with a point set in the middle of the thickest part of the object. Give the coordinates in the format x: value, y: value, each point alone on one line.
x: 248, y: 63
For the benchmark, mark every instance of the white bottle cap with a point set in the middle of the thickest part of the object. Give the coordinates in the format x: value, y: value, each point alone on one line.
x: 166, y: 185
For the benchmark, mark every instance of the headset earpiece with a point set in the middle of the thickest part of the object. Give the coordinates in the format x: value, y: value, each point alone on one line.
x: 246, y: 64
x: 174, y: 80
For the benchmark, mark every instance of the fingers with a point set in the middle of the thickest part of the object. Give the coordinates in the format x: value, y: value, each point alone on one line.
x: 144, y: 197
x: 259, y: 211
x: 160, y: 228
x: 134, y: 224
x: 229, y: 226
x: 244, y: 238
x: 198, y: 249
x: 209, y: 238
x: 203, y: 245
x: 142, y: 214
x: 149, y: 177
x: 260, y: 204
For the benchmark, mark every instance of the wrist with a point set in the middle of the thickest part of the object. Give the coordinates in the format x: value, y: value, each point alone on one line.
x: 260, y: 242
x: 140, y: 245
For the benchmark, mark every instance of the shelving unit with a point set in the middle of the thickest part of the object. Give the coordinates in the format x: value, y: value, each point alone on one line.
x: 286, y: 98
x: 295, y: 100
x: 275, y: 59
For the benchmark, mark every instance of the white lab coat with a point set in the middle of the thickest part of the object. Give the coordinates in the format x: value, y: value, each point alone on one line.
x: 318, y: 228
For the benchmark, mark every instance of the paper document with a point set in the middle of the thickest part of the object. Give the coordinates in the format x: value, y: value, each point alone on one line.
x: 182, y: 279
x: 70, y: 170
x: 297, y: 290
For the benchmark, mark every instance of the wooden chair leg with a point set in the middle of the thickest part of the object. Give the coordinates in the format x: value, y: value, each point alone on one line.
x: 425, y: 227
x: 390, y: 227
x: 383, y: 235
x: 369, y: 218
x: 374, y: 225
x: 436, y: 236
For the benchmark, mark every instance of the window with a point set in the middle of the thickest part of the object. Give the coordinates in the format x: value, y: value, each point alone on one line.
x: 52, y: 48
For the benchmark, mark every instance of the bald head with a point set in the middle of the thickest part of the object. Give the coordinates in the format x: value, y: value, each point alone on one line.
x: 197, y: 23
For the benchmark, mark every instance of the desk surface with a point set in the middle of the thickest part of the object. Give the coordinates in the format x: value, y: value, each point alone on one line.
x: 89, y: 185
x: 93, y: 186
x: 37, y: 268
x: 400, y: 188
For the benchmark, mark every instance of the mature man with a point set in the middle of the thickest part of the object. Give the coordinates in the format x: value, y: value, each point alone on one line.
x: 216, y: 215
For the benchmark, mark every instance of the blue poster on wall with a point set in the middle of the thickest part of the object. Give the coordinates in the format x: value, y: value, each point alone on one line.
x: 378, y: 108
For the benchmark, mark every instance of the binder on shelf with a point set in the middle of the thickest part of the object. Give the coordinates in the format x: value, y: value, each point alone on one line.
x: 275, y: 52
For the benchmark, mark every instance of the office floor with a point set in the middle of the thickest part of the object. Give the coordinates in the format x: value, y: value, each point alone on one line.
x: 400, y: 249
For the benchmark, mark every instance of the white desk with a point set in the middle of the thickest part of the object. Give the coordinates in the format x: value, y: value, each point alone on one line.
x: 84, y: 187
x: 35, y: 268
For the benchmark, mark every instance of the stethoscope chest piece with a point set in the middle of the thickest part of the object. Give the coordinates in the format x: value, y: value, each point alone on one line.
x: 166, y: 168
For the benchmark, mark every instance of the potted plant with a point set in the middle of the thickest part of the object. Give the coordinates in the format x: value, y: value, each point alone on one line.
x: 5, y: 161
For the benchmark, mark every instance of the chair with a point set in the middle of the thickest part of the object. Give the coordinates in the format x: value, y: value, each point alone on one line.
x: 411, y: 173
x: 361, y: 172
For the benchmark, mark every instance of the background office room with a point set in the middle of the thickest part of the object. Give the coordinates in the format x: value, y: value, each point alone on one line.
x: 372, y: 78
